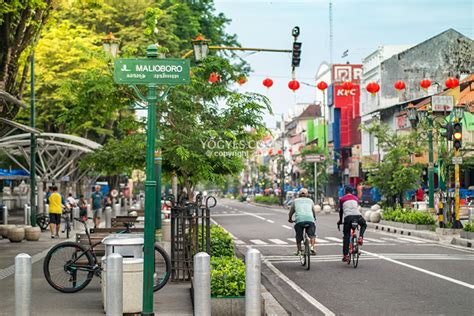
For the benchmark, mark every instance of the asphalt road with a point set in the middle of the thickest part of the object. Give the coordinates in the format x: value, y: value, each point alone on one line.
x: 397, y: 275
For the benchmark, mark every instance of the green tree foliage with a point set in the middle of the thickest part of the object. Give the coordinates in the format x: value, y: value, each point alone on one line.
x: 208, y: 128
x: 394, y: 174
x: 20, y: 23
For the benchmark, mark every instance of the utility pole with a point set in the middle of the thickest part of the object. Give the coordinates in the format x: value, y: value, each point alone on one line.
x: 282, y: 171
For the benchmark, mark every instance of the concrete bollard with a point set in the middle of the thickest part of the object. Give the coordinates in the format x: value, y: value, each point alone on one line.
x: 23, y: 285
x: 116, y: 210
x: 108, y: 217
x: 5, y: 215
x: 202, y: 284
x: 114, y: 288
x: 253, y: 299
x: 27, y: 209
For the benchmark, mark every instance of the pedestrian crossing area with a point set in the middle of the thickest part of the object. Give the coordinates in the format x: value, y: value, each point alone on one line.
x: 329, y: 240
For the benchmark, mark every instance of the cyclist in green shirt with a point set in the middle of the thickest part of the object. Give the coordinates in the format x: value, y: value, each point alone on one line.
x: 303, y: 208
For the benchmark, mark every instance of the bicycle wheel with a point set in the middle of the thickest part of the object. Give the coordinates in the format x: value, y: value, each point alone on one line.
x: 355, y: 253
x: 162, y: 268
x: 42, y: 221
x: 307, y: 253
x: 68, y: 267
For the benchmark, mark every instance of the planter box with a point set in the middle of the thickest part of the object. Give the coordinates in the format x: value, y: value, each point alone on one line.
x: 467, y: 235
x: 229, y: 306
x: 405, y: 225
x: 448, y: 231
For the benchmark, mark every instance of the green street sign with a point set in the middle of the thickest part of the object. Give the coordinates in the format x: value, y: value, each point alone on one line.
x: 152, y: 70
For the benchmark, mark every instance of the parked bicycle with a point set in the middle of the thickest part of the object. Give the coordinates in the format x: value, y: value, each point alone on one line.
x: 69, y: 267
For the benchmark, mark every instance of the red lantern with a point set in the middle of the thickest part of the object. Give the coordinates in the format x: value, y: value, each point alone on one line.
x: 399, y: 85
x: 270, y: 152
x: 322, y: 85
x: 291, y: 151
x: 372, y: 87
x: 452, y: 82
x: 268, y: 82
x: 425, y: 83
x: 213, y: 77
x: 280, y: 152
x: 347, y: 85
x: 294, y: 85
x: 260, y: 151
x: 242, y: 80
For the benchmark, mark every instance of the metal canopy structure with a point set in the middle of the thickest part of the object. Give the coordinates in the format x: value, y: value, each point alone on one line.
x: 57, y: 154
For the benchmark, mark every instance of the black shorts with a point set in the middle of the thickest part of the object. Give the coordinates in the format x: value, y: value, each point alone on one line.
x: 310, y: 230
x: 55, y: 218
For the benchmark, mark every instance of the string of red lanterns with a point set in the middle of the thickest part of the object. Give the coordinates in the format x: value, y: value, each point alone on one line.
x: 242, y: 80
x: 399, y: 85
x: 322, y: 85
x: 372, y: 87
x: 452, y: 82
x: 425, y: 83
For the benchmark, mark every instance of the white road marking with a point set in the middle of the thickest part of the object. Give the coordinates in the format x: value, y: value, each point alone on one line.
x: 287, y: 227
x: 224, y: 212
x: 395, y: 239
x: 239, y: 242
x: 278, y: 241
x: 416, y: 241
x: 470, y: 286
x: 299, y: 290
x: 258, y: 242
x: 373, y: 240
x: 270, y: 221
x: 292, y: 239
x: 334, y: 239
x: 250, y: 214
x: 319, y: 240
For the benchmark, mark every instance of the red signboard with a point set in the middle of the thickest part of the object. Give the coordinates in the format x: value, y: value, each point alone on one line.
x: 346, y: 72
x: 348, y: 102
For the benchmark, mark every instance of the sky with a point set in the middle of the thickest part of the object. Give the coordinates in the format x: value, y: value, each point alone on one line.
x: 358, y: 25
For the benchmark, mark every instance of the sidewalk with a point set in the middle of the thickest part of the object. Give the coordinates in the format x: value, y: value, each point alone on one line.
x: 173, y: 299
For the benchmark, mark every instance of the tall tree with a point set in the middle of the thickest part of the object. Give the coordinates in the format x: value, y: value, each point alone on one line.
x: 20, y: 23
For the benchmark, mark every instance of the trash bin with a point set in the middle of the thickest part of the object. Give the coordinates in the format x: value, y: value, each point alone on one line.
x: 132, y: 284
x: 130, y: 247
x: 127, y: 245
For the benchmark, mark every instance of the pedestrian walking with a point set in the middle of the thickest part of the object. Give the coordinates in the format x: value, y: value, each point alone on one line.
x: 82, y: 207
x: 56, y: 203
x: 97, y: 202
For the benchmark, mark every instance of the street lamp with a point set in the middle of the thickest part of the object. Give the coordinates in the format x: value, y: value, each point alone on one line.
x: 110, y: 44
x: 200, y: 48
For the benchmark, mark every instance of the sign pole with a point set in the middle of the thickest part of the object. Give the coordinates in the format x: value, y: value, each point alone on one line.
x: 150, y: 202
x: 457, y: 223
x: 315, y: 182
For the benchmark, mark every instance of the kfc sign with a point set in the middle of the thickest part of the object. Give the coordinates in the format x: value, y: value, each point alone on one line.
x: 340, y: 92
x: 346, y: 72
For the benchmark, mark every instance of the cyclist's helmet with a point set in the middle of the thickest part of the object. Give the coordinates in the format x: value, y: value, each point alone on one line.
x: 348, y: 189
x: 303, y: 192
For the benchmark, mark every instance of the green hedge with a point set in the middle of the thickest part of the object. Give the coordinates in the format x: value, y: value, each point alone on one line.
x: 267, y: 199
x: 469, y: 227
x: 408, y: 216
x: 227, y: 276
x: 222, y: 244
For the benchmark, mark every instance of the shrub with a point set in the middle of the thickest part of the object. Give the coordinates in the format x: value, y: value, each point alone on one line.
x: 469, y: 227
x: 227, y: 276
x: 222, y: 244
x: 267, y: 199
x: 408, y: 216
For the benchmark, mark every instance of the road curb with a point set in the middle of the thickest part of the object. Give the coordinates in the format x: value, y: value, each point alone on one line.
x: 462, y: 242
x: 403, y: 231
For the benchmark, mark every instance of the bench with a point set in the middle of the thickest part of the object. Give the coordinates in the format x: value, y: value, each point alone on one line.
x: 121, y: 221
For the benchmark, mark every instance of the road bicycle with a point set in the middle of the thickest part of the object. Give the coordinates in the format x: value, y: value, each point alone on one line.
x: 354, y: 251
x: 305, y: 255
x: 69, y: 267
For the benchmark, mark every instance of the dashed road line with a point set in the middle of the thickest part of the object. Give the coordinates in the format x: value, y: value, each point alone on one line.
x: 412, y: 240
x: 270, y: 221
x: 334, y: 239
x: 258, y: 242
x: 278, y: 241
x: 286, y: 226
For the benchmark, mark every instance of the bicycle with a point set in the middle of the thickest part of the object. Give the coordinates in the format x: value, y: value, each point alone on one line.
x: 69, y: 267
x: 354, y: 251
x: 42, y: 220
x: 305, y: 255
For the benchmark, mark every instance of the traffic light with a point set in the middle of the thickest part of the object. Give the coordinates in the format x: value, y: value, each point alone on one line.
x: 296, y: 57
x: 449, y: 131
x: 457, y: 135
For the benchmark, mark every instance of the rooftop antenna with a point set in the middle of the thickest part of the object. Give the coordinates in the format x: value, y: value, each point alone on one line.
x: 330, y: 33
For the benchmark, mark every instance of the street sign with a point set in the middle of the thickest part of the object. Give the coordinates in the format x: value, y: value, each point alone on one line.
x: 457, y: 160
x: 314, y: 158
x: 152, y: 70
x: 441, y: 103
